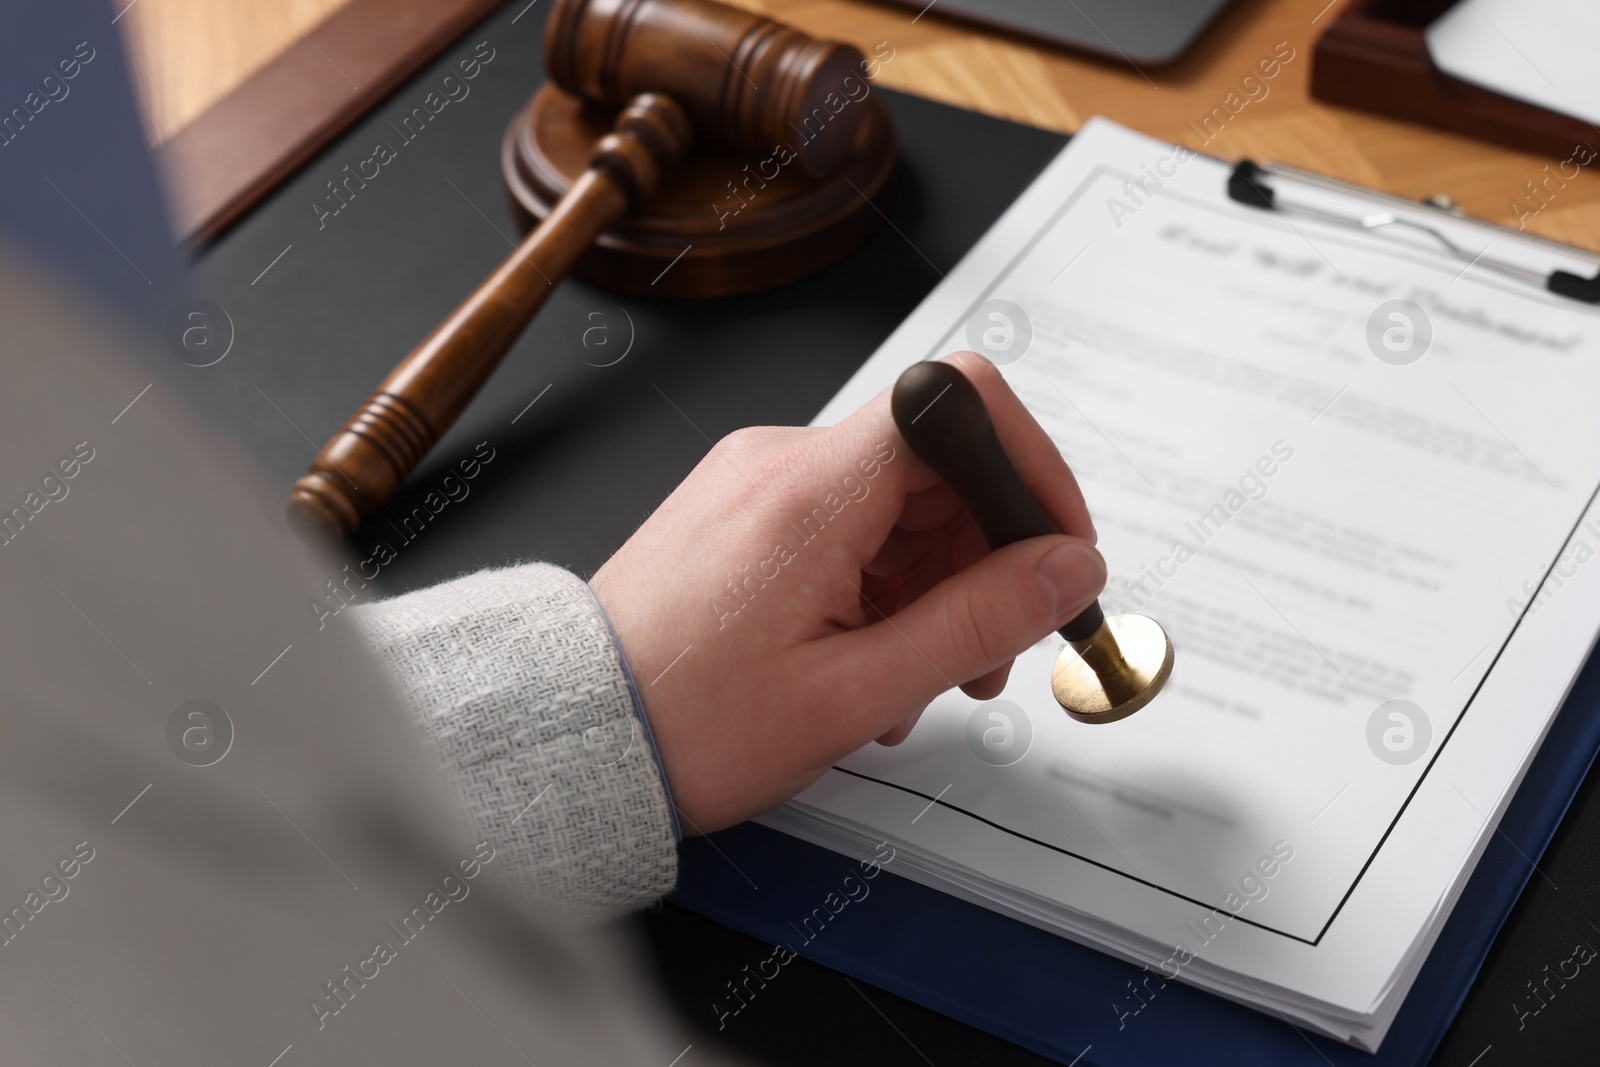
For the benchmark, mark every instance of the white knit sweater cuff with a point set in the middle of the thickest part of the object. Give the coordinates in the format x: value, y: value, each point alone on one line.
x: 520, y: 688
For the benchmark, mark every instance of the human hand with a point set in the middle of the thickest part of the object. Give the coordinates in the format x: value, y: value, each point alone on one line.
x: 809, y: 589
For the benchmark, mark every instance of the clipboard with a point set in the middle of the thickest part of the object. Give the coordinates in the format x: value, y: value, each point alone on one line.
x: 1248, y: 185
x: 1054, y: 996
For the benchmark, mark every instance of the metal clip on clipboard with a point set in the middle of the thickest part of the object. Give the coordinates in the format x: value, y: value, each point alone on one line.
x: 1245, y: 186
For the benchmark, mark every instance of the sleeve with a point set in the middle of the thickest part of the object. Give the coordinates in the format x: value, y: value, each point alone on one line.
x: 521, y: 690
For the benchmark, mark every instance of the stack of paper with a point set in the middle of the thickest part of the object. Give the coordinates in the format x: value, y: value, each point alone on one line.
x: 1353, y: 476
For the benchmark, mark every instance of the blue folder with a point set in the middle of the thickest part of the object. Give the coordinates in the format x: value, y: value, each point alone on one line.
x: 1058, y: 998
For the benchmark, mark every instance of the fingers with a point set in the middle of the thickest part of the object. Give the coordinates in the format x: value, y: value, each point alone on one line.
x: 965, y: 627
x: 990, y: 685
x: 901, y: 730
x: 929, y: 509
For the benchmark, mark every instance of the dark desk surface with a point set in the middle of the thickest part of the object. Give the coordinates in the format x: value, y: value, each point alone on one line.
x: 321, y: 314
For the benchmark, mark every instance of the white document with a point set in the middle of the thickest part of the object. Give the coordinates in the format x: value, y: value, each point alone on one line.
x: 1320, y: 531
x: 1538, y: 51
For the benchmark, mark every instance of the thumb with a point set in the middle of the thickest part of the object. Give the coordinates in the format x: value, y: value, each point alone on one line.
x: 969, y: 624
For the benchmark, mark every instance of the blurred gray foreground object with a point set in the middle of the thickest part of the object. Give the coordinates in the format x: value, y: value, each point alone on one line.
x: 158, y: 911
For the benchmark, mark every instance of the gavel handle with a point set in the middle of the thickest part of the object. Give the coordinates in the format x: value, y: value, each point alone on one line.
x: 943, y: 419
x: 362, y: 464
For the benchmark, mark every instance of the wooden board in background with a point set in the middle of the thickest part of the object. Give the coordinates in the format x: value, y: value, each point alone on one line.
x: 248, y: 140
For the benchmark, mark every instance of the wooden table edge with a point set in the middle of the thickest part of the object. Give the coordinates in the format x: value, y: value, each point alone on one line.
x: 254, y: 138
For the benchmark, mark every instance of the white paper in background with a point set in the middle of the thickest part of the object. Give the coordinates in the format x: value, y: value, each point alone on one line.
x: 1538, y: 51
x: 1378, y: 519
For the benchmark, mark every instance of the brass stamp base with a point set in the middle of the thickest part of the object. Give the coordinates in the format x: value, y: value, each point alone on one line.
x: 1115, y: 672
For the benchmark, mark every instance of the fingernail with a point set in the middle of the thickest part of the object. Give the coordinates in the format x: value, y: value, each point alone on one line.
x: 1070, y: 576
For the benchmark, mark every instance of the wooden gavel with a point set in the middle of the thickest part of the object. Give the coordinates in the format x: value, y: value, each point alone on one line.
x: 677, y: 69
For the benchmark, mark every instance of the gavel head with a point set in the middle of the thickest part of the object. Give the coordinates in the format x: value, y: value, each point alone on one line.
x: 743, y: 79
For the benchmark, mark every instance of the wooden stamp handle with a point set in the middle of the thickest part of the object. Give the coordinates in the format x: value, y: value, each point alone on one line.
x: 943, y: 419
x: 362, y: 465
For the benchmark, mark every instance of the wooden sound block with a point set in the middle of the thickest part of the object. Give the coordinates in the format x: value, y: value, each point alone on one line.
x: 748, y: 221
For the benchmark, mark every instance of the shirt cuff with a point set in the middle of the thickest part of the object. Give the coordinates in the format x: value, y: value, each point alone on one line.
x: 644, y: 719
